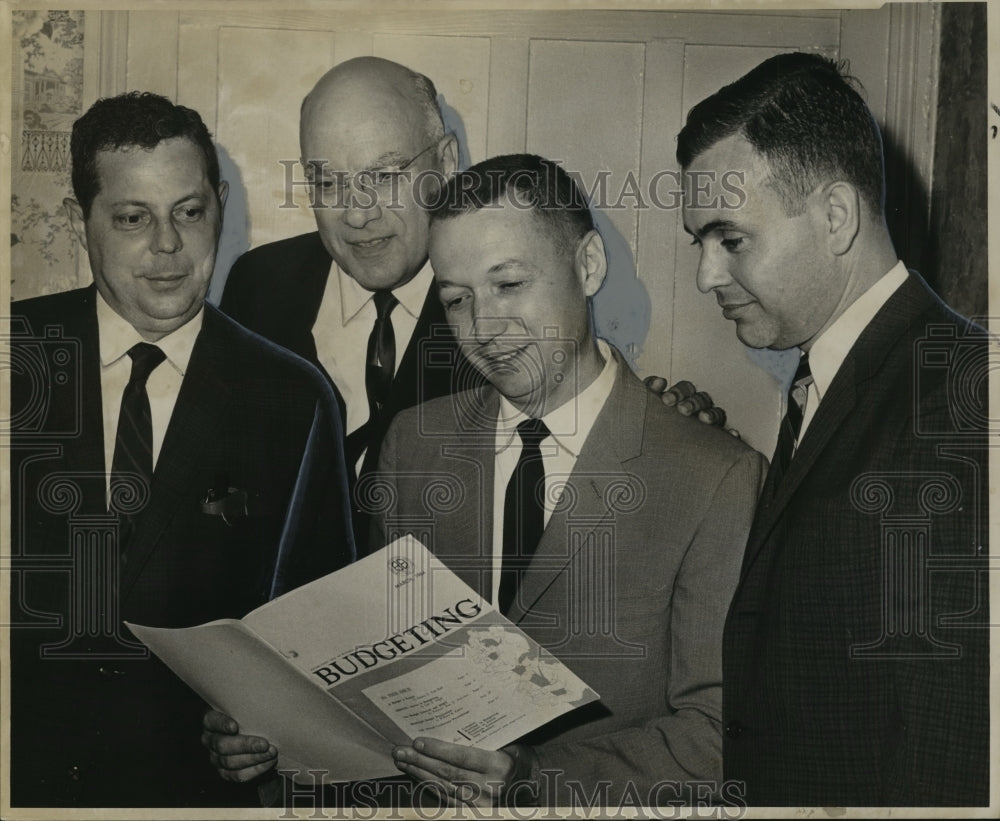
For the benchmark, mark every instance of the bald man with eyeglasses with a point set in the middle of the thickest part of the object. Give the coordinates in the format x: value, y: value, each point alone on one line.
x: 355, y: 296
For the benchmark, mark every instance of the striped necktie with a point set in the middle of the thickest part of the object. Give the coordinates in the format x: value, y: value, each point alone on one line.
x: 134, y: 439
x: 791, y: 425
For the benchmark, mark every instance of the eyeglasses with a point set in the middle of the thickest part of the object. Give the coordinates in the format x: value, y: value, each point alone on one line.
x: 383, y: 181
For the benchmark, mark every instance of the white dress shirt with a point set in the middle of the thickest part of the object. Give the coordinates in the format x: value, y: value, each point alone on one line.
x: 569, y: 425
x: 344, y: 323
x: 830, y: 349
x: 116, y: 336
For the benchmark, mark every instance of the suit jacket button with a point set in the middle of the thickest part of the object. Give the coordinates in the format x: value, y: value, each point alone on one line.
x: 734, y: 730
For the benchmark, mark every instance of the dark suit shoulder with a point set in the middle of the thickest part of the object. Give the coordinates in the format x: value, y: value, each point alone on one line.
x: 274, y: 259
x: 917, y: 346
x: 253, y: 357
x: 276, y: 289
x: 53, y: 308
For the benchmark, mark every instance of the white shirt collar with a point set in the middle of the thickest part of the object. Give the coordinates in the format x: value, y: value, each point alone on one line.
x: 116, y: 336
x: 570, y: 423
x: 411, y: 295
x: 830, y: 349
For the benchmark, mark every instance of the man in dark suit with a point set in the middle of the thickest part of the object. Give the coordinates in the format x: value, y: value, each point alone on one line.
x: 624, y: 571
x: 355, y: 297
x: 168, y: 467
x: 855, y: 657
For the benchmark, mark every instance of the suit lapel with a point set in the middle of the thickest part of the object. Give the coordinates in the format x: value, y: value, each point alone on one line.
x: 425, y: 372
x: 194, y: 426
x: 862, y: 364
x: 84, y: 453
x: 833, y: 410
x: 596, y: 480
x: 470, y: 456
x: 305, y: 294
x: 409, y: 386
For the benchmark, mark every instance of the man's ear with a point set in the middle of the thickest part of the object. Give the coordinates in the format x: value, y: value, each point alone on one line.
x: 448, y: 155
x: 841, y: 204
x: 76, y: 220
x: 223, y: 193
x: 591, y: 262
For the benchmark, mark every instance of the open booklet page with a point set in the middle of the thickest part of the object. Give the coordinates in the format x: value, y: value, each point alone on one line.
x: 338, y: 671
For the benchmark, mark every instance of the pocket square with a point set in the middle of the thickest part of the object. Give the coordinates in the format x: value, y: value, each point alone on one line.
x: 230, y: 504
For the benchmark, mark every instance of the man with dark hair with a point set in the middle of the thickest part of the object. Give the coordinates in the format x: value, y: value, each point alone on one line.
x: 135, y: 119
x: 608, y: 527
x: 855, y: 656
x: 169, y: 468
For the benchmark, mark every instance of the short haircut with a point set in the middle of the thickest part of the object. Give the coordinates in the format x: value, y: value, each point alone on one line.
x: 803, y: 114
x: 138, y: 118
x: 532, y: 181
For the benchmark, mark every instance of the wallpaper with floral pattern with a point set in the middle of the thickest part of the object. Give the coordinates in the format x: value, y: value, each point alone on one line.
x: 48, y: 97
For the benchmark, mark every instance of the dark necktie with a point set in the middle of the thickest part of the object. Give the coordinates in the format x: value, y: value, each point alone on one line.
x: 134, y: 440
x: 381, y: 361
x: 524, y: 511
x: 380, y: 368
x: 791, y: 425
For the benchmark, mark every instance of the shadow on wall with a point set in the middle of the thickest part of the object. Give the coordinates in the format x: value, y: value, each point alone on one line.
x: 453, y: 124
x: 621, y: 309
x: 907, y: 206
x: 235, y: 238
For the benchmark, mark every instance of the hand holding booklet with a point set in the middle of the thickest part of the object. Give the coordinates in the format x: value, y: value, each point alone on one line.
x: 339, y: 671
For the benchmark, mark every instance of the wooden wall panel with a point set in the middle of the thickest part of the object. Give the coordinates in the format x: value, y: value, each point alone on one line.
x: 585, y: 110
x: 506, y: 124
x: 753, y: 27
x: 152, y: 52
x: 460, y: 70
x: 661, y: 112
x: 197, y: 60
x: 260, y: 98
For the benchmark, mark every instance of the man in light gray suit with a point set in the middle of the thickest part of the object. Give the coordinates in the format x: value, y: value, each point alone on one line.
x: 621, y: 554
x: 607, y: 526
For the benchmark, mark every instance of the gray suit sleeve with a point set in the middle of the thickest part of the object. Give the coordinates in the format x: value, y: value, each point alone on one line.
x: 666, y: 758
x: 377, y: 492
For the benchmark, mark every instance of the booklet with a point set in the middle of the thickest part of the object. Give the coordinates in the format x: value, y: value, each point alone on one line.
x: 337, y: 672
